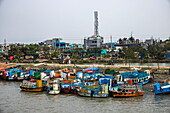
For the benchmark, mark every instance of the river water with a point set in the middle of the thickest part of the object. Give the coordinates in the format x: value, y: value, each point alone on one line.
x: 12, y: 100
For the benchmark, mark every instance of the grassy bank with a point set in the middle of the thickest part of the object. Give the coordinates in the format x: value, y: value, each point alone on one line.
x: 162, y: 69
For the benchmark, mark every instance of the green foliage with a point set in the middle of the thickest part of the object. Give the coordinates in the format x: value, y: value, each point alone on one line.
x: 157, y: 51
x: 167, y: 46
x: 55, y: 54
x: 129, y: 53
x: 75, y: 56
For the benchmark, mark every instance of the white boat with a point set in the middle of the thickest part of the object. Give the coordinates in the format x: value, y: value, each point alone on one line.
x: 53, y: 87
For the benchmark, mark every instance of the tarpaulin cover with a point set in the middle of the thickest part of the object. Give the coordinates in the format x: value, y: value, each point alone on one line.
x: 126, y: 74
x: 92, y: 68
x: 47, y: 71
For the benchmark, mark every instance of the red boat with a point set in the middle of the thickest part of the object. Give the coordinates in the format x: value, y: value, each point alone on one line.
x: 128, y: 91
x: 66, y: 86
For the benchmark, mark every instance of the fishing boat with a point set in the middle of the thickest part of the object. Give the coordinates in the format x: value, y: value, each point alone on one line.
x: 136, y: 76
x: 53, y: 87
x: 162, y: 87
x: 66, y: 86
x: 127, y: 90
x: 94, y: 91
x: 92, y: 76
x: 22, y: 75
x: 111, y: 72
x: 31, y: 85
x: 68, y: 74
x: 11, y: 76
x: 76, y: 85
x: 5, y: 70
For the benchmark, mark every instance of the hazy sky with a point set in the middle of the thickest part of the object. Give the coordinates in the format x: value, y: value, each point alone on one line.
x: 38, y: 20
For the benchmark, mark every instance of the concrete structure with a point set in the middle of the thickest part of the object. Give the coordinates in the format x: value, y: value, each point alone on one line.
x: 150, y: 41
x: 94, y: 41
x: 4, y: 47
x: 48, y: 42
x: 56, y: 42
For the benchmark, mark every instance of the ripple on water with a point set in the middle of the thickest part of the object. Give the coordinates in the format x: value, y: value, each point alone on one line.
x: 12, y: 100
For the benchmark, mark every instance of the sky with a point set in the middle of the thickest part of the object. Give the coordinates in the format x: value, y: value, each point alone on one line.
x: 33, y: 21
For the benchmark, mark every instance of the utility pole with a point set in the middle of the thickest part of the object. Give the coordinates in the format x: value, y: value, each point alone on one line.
x: 59, y: 45
x: 111, y: 41
x: 5, y: 48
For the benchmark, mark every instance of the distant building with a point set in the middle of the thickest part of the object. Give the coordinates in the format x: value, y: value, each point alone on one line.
x: 4, y: 48
x: 94, y: 41
x: 75, y: 46
x: 150, y: 41
x: 137, y: 41
x: 109, y: 45
x: 167, y: 41
x: 48, y: 42
x: 55, y: 42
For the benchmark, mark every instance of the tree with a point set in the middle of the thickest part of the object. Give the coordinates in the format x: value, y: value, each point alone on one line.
x: 120, y: 41
x: 131, y: 39
x: 54, y: 54
x: 157, y: 52
x: 167, y: 46
x: 142, y: 52
x: 124, y: 40
x: 129, y: 54
x: 121, y: 53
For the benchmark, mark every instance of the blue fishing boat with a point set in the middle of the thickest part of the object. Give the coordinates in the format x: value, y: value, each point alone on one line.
x: 162, y: 88
x: 76, y: 85
x: 92, y: 69
x: 12, y: 74
x: 136, y: 77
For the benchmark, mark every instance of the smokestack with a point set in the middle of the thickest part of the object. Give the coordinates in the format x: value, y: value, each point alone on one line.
x: 96, y: 23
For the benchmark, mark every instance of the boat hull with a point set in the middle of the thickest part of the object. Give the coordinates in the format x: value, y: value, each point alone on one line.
x: 159, y: 88
x: 128, y: 94
x: 144, y: 82
x: 32, y: 89
x: 94, y: 95
x: 20, y: 78
x: 162, y: 91
x: 66, y: 90
x: 53, y: 92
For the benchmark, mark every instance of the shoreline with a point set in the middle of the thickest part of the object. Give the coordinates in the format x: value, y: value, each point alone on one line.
x: 95, y: 65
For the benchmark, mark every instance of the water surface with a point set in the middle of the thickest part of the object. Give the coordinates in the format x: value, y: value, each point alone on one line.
x: 12, y: 100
